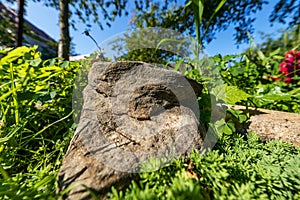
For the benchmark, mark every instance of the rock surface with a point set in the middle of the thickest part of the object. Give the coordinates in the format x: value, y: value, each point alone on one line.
x: 274, y: 125
x: 132, y: 112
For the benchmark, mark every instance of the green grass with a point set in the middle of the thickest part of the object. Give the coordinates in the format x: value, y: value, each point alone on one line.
x: 36, y: 122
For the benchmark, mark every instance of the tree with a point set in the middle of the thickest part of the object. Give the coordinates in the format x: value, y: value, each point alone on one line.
x: 86, y: 11
x: 200, y: 19
x: 64, y: 41
x: 181, y: 18
x: 20, y: 24
x: 146, y: 45
x: 12, y: 30
x: 215, y: 16
x: 286, y: 11
x: 289, y: 39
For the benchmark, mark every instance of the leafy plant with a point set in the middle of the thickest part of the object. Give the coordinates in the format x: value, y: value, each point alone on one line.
x: 254, y: 74
x: 36, y: 123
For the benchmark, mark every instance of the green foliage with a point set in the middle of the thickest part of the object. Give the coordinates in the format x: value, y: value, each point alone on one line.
x: 239, y: 168
x: 36, y: 123
x: 253, y: 75
x: 288, y: 39
x: 152, y: 45
x: 230, y: 94
x: 205, y: 18
x: 198, y: 10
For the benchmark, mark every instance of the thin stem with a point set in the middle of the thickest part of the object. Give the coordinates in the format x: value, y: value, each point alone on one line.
x: 88, y: 34
x: 14, y: 95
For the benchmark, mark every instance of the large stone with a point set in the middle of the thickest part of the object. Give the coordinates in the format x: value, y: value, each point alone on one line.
x: 273, y: 125
x: 132, y: 112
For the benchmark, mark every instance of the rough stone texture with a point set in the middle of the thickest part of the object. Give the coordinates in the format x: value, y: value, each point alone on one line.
x: 132, y: 111
x: 274, y: 125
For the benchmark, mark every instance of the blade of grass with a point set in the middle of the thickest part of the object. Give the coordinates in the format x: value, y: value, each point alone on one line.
x: 48, y: 126
x: 220, y: 5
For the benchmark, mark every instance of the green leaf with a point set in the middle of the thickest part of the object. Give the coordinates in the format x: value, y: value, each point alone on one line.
x: 229, y: 94
x: 274, y: 94
x: 52, y: 94
x: 39, y: 87
x: 7, y: 94
x: 261, y: 55
x: 223, y: 127
x: 220, y: 5
x: 64, y: 64
x: 14, y: 54
x: 273, y: 53
x: 275, y: 97
x: 45, y: 74
x: 36, y: 62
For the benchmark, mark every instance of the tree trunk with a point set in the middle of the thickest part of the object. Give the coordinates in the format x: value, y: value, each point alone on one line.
x: 20, y: 24
x: 64, y: 42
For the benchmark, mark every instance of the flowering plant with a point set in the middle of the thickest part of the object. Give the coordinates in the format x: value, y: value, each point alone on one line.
x: 290, y: 67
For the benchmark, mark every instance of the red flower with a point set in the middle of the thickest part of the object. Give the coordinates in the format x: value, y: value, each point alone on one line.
x: 290, y: 66
x: 285, y: 68
x: 298, y: 55
x: 289, y: 59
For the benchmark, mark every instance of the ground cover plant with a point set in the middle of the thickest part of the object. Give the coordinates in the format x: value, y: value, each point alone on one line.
x: 36, y: 127
x: 239, y: 167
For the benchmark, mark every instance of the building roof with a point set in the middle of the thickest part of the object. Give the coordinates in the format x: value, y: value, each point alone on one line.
x: 32, y: 34
x: 13, y: 17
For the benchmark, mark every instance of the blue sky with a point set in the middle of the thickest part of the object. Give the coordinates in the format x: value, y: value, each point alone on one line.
x: 47, y: 20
